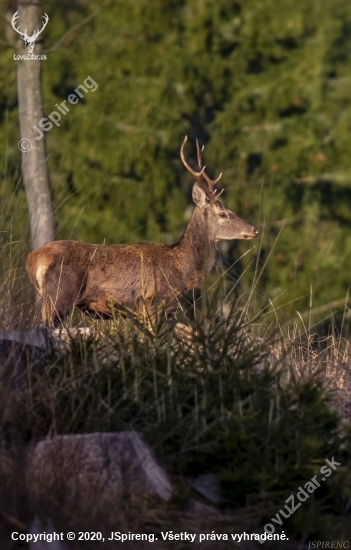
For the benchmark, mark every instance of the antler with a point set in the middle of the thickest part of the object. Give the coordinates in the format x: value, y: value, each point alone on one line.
x: 211, y: 192
x: 45, y: 22
x: 197, y: 175
x: 24, y: 34
x: 211, y: 183
x: 13, y: 23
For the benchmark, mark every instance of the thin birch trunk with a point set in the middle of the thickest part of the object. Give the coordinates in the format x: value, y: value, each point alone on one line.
x: 34, y: 162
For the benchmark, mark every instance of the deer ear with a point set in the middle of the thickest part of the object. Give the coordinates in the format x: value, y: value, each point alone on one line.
x: 199, y: 196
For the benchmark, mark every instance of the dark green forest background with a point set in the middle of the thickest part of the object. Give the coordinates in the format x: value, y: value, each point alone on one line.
x: 264, y: 84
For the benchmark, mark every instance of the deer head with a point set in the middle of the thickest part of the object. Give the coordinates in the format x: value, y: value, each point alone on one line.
x: 222, y: 223
x: 29, y: 40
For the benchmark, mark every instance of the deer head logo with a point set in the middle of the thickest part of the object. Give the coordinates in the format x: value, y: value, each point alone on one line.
x: 29, y: 40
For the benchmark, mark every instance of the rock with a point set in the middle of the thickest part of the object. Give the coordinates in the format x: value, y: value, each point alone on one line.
x: 97, y: 467
x: 38, y: 527
x: 47, y: 340
x: 14, y: 360
x: 199, y: 511
x: 18, y: 349
x: 35, y: 337
x: 62, y: 337
x: 208, y: 486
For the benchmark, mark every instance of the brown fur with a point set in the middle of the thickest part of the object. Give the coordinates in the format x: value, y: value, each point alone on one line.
x: 94, y: 278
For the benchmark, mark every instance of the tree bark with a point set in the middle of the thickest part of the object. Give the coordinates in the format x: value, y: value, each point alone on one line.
x: 34, y: 163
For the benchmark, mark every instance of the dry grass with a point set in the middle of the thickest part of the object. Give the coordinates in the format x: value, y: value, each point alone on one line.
x: 255, y: 412
x: 252, y: 400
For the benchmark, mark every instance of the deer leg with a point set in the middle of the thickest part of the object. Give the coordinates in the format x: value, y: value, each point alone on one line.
x: 53, y: 312
x: 97, y: 304
x: 47, y: 313
x: 44, y: 315
x: 38, y: 316
x: 100, y: 308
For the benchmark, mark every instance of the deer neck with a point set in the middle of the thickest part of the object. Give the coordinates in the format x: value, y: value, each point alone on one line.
x: 196, y: 250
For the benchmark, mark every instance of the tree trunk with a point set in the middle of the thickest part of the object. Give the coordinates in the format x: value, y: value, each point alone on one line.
x: 34, y: 166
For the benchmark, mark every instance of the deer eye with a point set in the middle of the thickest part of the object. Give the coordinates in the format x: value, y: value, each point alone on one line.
x: 222, y: 215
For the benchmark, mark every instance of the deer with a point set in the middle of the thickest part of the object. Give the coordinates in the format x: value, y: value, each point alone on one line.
x: 98, y: 278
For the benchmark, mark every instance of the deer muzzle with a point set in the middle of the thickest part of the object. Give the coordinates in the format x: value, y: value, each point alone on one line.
x: 249, y: 236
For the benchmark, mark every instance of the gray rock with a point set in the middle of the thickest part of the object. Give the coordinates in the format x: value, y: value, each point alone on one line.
x: 62, y: 337
x: 45, y: 339
x: 14, y: 360
x: 99, y: 467
x: 208, y: 486
x: 38, y: 527
x: 36, y: 337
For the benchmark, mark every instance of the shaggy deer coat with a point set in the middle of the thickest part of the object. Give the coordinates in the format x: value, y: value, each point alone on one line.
x: 96, y: 278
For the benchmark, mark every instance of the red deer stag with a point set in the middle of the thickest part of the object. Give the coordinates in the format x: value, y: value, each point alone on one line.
x: 94, y: 278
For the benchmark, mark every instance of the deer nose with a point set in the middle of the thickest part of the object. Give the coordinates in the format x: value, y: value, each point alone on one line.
x: 252, y: 235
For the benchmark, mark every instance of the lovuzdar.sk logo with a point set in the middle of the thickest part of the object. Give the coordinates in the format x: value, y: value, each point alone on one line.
x: 28, y: 40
